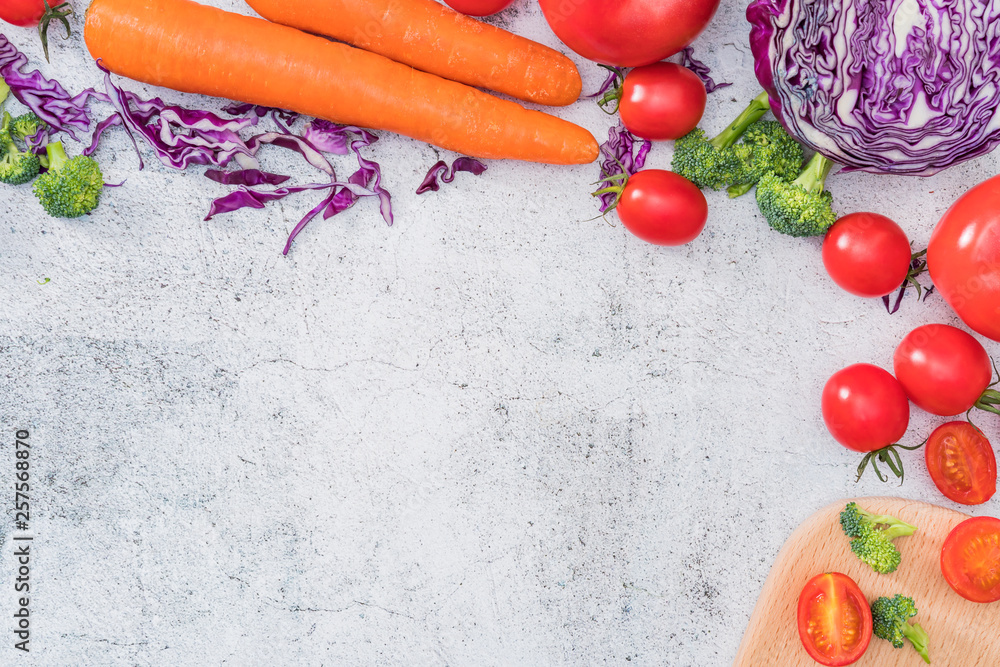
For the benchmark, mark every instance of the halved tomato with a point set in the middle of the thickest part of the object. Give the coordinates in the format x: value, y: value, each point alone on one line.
x: 835, y: 621
x: 970, y: 559
x: 961, y: 462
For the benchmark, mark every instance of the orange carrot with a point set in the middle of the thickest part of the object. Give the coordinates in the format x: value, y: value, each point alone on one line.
x: 188, y: 47
x: 435, y: 38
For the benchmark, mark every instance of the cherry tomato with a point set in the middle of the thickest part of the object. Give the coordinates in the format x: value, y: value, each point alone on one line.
x: 628, y: 33
x: 963, y: 258
x: 864, y: 408
x: 834, y: 619
x: 479, y: 7
x: 867, y: 254
x: 663, y: 208
x: 661, y: 101
x: 22, y: 12
x: 970, y: 559
x: 961, y: 462
x: 942, y: 369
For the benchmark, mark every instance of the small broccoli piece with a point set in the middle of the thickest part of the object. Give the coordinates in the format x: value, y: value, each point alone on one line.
x: 72, y: 186
x: 26, y: 125
x: 16, y: 167
x: 889, y: 618
x: 800, y: 207
x: 872, y: 536
x: 765, y: 147
x: 710, y: 163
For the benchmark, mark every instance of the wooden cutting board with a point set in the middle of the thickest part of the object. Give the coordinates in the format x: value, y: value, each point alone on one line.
x: 962, y: 633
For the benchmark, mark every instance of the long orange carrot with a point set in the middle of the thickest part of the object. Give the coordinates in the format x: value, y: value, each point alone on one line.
x: 188, y: 47
x: 434, y: 38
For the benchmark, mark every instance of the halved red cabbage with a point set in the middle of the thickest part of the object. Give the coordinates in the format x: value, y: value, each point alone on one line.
x: 896, y: 86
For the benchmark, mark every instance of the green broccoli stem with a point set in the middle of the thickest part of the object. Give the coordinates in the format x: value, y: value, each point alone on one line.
x: 758, y: 107
x: 56, y: 155
x: 919, y: 638
x: 4, y: 90
x: 813, y: 177
x: 895, y: 527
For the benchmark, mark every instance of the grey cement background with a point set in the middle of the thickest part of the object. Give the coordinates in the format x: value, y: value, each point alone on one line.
x: 500, y: 432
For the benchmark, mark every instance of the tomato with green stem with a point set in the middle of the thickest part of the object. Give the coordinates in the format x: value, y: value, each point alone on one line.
x: 865, y: 409
x: 945, y: 371
x: 961, y: 463
x: 868, y: 255
x: 834, y: 619
x: 26, y: 13
x: 661, y: 101
x: 659, y: 206
x: 970, y: 559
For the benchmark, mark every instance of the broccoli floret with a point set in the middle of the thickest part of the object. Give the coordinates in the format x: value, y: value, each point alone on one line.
x: 765, y: 147
x: 16, y: 167
x: 72, y: 186
x: 26, y: 125
x: 800, y: 207
x: 872, y: 536
x: 710, y: 163
x: 889, y: 618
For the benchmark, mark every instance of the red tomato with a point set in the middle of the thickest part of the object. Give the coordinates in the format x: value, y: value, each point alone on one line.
x: 961, y: 463
x: 834, y: 619
x: 662, y: 101
x: 628, y: 33
x: 663, y: 208
x: 867, y: 254
x: 22, y: 12
x: 864, y: 408
x: 963, y: 258
x: 479, y: 7
x: 970, y: 559
x: 942, y: 369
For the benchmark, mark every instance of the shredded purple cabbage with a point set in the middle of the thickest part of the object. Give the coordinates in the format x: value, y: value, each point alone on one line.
x: 48, y: 99
x: 327, y: 136
x: 281, y: 117
x: 701, y: 69
x: 365, y: 182
x: 440, y: 170
x: 180, y: 137
x: 619, y: 158
x: 613, y: 80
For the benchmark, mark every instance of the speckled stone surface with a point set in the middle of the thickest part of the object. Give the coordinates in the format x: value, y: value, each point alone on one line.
x: 500, y: 432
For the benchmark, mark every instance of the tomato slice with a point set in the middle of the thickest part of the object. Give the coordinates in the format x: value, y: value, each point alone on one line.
x: 835, y: 621
x: 961, y: 462
x: 970, y: 559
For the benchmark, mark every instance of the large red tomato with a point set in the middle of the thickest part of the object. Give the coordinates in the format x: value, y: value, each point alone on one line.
x: 628, y: 33
x: 963, y: 257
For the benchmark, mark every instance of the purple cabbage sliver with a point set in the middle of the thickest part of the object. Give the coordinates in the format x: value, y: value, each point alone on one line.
x: 251, y: 177
x: 47, y: 98
x: 281, y: 117
x: 701, y: 69
x: 440, y: 170
x: 620, y: 156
